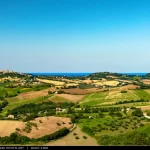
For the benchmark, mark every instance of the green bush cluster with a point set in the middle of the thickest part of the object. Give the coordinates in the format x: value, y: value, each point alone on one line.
x: 133, y: 138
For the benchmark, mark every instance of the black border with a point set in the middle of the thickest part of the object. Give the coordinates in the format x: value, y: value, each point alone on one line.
x: 71, y: 147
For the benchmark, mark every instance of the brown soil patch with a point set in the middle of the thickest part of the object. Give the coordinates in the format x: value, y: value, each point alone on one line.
x: 7, y: 127
x: 146, y: 81
x: 72, y: 98
x: 92, y: 90
x: 78, y: 91
x: 70, y: 140
x: 47, y: 127
x: 126, y: 87
x: 34, y: 94
x: 144, y: 107
x: 75, y: 91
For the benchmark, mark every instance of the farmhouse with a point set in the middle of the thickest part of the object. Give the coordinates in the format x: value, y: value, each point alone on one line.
x: 58, y: 109
x: 11, y: 116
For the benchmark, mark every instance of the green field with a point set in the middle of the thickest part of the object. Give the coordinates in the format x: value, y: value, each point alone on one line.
x: 145, y: 129
x: 15, y: 102
x: 114, y: 125
x: 111, y: 97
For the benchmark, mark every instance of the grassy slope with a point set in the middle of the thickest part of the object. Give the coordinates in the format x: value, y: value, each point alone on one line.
x: 15, y: 102
x: 94, y: 122
x: 145, y: 129
x: 113, y: 96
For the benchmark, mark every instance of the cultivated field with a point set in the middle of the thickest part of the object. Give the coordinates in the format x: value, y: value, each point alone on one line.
x: 112, y: 125
x: 70, y: 140
x: 7, y: 127
x: 72, y: 98
x: 110, y: 97
x: 126, y: 87
x: 47, y: 125
x: 10, y: 79
x: 56, y: 83
x: 109, y: 83
x: 72, y: 84
x: 58, y: 99
x: 75, y: 91
x: 146, y: 81
x: 143, y: 108
x: 28, y: 97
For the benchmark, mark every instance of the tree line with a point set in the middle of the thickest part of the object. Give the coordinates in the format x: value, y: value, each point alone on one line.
x: 15, y: 138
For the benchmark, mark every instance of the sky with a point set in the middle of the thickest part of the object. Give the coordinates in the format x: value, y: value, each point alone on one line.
x: 75, y: 35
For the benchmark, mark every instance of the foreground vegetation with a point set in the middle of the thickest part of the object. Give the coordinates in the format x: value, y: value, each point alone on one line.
x: 14, y: 138
x: 109, y: 113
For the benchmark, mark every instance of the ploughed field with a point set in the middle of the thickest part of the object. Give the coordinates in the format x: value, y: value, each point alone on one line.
x: 70, y: 139
x: 36, y: 128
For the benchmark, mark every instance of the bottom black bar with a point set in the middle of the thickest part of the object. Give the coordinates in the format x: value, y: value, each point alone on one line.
x: 55, y: 147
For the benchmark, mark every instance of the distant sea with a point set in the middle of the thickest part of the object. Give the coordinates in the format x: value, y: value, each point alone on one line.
x: 61, y: 74
x: 135, y: 74
x: 78, y: 74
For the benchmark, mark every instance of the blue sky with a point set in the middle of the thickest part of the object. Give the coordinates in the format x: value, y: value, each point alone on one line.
x: 75, y: 35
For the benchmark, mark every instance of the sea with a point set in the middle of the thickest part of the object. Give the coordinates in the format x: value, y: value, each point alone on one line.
x: 79, y: 74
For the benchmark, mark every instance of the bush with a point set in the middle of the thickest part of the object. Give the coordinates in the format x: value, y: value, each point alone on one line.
x: 40, y: 121
x: 137, y: 112
x: 116, y: 128
x: 77, y: 138
x: 58, y: 124
x: 84, y: 137
x: 101, y: 115
x: 57, y: 134
x: 123, y: 91
x: 60, y: 92
x: 132, y: 138
x: 17, y: 129
x: 50, y: 92
x: 74, y: 133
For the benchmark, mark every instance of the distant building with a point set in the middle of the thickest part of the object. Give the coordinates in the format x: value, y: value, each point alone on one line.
x: 90, y: 117
x: 11, y: 116
x: 58, y: 109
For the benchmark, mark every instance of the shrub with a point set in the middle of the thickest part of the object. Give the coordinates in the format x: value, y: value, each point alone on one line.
x: 123, y: 91
x: 84, y: 137
x: 137, y: 112
x: 50, y: 92
x: 116, y: 128
x: 58, y: 124
x: 40, y: 121
x: 141, y: 125
x: 132, y: 138
x: 60, y: 92
x: 17, y: 129
x: 77, y: 138
x: 74, y: 133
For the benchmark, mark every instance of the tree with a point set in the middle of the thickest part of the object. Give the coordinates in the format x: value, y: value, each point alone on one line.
x: 101, y: 115
x: 137, y: 112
